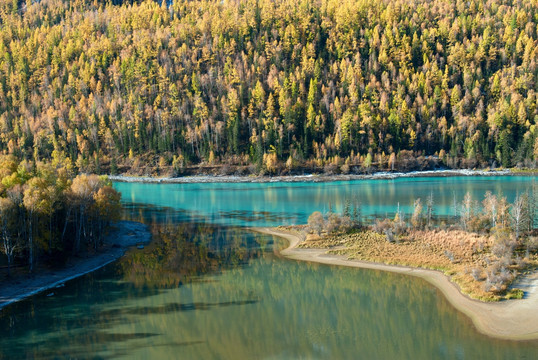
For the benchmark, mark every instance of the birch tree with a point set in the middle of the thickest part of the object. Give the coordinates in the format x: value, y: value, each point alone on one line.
x: 7, y: 221
x: 519, y: 215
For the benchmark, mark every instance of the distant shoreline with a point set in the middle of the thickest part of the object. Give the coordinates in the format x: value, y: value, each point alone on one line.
x: 509, y: 319
x: 312, y: 177
x: 124, y: 235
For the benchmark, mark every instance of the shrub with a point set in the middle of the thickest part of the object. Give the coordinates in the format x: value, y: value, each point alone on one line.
x: 333, y: 223
x: 315, y: 222
x: 381, y: 226
x: 515, y: 294
x: 503, y: 248
x: 498, y: 278
x: 389, y: 235
x: 399, y: 226
x: 330, y: 169
x: 531, y: 245
x: 345, y: 223
x: 476, y: 273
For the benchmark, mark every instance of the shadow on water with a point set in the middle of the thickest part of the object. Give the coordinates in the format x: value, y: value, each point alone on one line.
x: 90, y: 308
x: 176, y: 307
x: 163, y: 214
x: 254, y: 216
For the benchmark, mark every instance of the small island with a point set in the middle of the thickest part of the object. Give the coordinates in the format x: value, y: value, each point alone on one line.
x: 480, y: 258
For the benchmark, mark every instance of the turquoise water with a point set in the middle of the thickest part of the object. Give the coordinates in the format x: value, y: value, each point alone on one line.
x: 273, y: 204
x: 206, y: 288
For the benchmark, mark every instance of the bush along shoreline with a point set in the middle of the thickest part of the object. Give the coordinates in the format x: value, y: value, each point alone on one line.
x: 47, y: 214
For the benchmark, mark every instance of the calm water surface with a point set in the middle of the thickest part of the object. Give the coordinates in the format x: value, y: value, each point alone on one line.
x: 206, y: 288
x: 272, y: 204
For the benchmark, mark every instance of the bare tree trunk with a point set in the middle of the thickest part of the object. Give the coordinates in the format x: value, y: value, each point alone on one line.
x: 78, y: 232
x: 50, y: 233
x: 519, y: 217
x: 31, y: 242
x: 65, y: 224
x: 8, y: 248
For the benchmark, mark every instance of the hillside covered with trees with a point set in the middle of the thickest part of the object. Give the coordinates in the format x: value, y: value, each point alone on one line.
x: 277, y: 85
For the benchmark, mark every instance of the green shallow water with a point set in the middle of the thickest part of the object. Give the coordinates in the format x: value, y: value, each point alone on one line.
x: 209, y: 290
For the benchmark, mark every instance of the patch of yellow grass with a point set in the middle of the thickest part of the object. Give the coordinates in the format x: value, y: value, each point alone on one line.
x: 455, y: 252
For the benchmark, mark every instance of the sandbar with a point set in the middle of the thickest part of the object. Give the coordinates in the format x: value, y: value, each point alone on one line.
x: 507, y: 319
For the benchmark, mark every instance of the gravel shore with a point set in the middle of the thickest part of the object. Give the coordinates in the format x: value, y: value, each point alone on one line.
x: 123, y: 235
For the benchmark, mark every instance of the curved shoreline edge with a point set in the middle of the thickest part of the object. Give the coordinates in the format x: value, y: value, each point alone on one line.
x: 123, y: 235
x: 310, y: 178
x: 507, y: 320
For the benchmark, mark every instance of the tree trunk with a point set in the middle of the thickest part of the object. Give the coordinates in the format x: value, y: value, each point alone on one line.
x: 65, y: 224
x: 50, y: 234
x: 31, y: 242
x: 9, y: 252
x: 78, y: 233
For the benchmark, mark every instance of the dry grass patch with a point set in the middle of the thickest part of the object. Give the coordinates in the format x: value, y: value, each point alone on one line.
x: 465, y: 257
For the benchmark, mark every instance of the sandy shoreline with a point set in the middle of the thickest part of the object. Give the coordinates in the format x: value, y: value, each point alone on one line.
x: 307, y: 178
x: 123, y: 235
x: 510, y: 319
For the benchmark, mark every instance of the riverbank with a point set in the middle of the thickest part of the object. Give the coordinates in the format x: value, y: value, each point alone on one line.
x: 310, y: 177
x: 510, y: 319
x: 123, y: 235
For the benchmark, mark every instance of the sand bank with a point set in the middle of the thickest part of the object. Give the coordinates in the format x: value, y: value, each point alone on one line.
x: 123, y: 235
x: 306, y: 178
x: 509, y: 319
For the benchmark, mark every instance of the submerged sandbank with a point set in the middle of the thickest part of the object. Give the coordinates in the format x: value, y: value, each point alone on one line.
x: 508, y: 319
x: 123, y: 234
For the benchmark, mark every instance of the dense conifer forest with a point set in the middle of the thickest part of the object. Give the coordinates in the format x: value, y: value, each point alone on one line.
x: 277, y: 85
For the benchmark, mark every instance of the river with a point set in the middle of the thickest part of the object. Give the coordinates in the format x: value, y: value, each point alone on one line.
x: 207, y: 288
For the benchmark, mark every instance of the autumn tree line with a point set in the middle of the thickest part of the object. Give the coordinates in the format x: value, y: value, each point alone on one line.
x: 277, y: 84
x: 47, y: 213
x: 494, y: 213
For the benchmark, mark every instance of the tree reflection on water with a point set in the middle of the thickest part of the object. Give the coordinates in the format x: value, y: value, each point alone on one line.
x: 181, y: 253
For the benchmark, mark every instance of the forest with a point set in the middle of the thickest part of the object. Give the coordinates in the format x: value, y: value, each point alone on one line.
x: 48, y: 214
x: 340, y: 85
